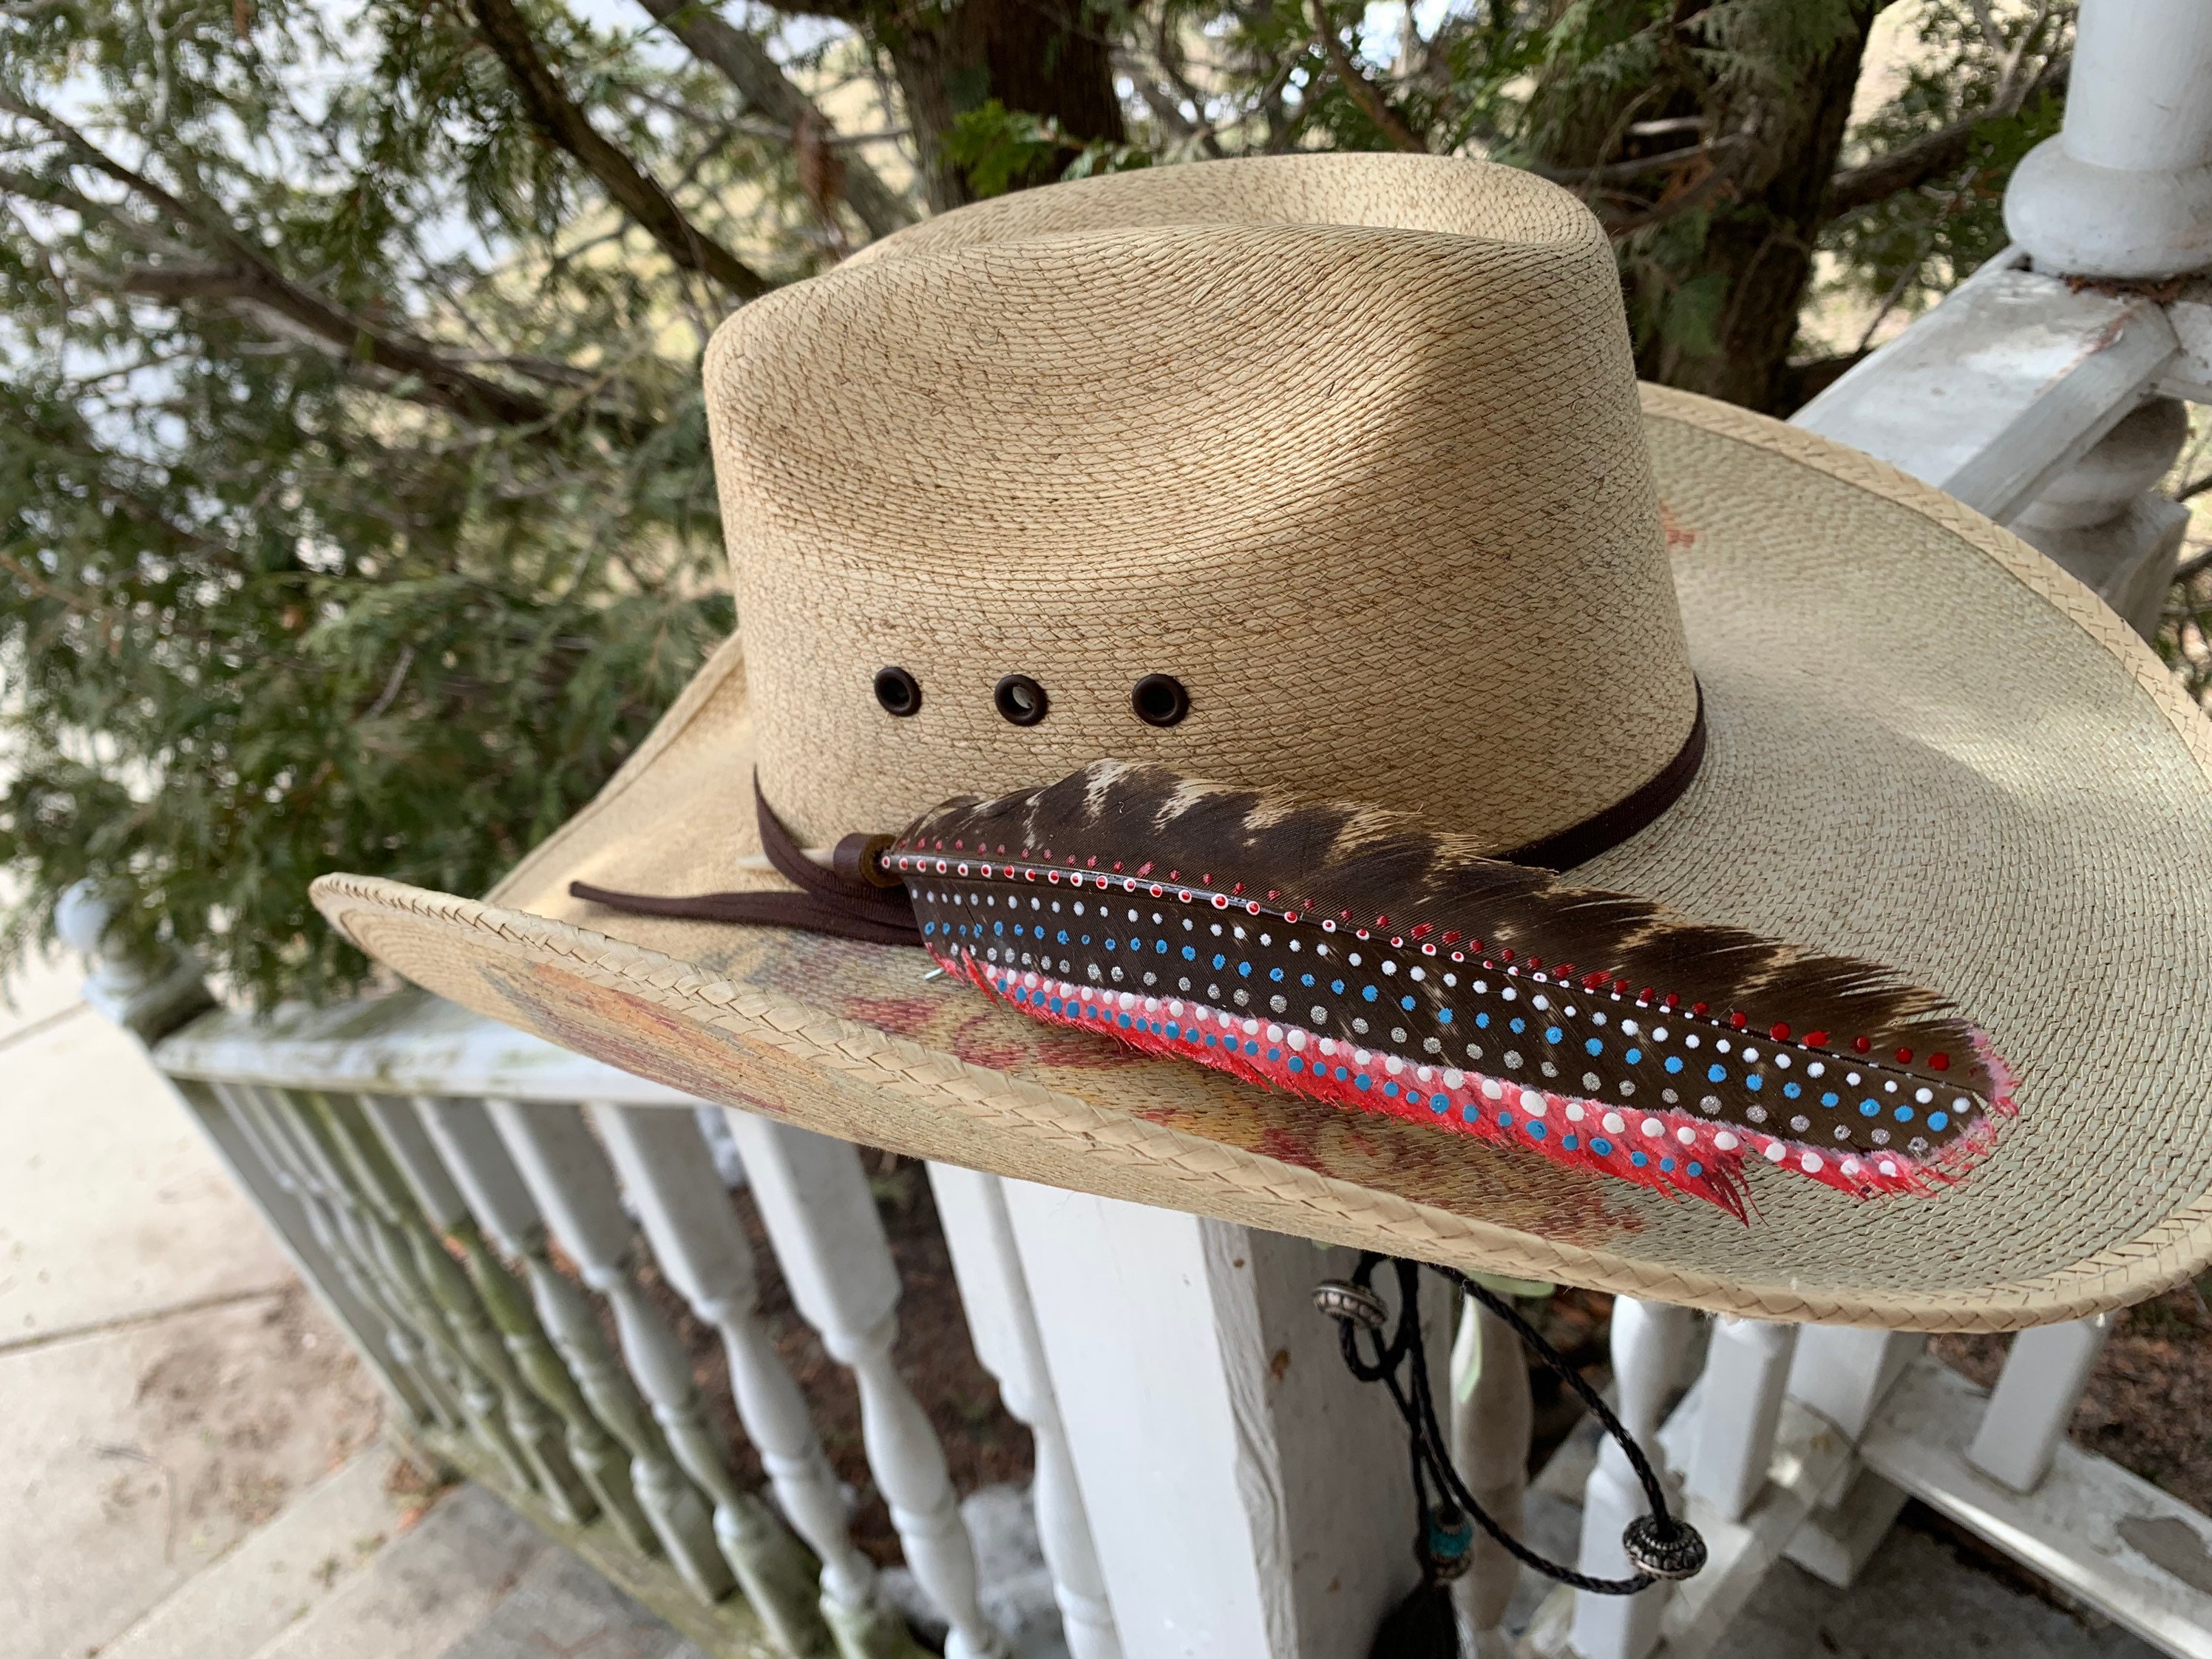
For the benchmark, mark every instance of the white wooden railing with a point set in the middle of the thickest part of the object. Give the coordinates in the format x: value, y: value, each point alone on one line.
x: 1208, y: 1481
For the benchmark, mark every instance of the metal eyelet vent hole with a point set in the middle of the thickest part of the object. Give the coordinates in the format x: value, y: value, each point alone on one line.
x: 1160, y: 700
x: 898, y: 692
x: 1020, y: 699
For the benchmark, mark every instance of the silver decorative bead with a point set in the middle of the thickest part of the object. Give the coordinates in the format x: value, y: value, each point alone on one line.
x: 1339, y: 1298
x: 1679, y: 1553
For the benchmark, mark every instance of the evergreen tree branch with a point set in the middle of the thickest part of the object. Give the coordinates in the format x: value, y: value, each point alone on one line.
x: 1365, y: 93
x: 563, y: 121
x: 247, y: 277
x: 1933, y: 155
x: 761, y: 81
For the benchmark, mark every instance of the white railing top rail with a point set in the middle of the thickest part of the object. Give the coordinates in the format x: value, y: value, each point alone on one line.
x: 407, y: 1043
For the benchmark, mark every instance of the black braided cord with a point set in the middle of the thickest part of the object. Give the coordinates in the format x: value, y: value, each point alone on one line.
x: 1416, y: 1405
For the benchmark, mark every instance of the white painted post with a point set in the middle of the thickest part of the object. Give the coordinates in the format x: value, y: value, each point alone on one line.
x: 1248, y: 1499
x: 972, y: 1208
x: 1647, y: 1342
x: 2125, y: 190
x: 1491, y: 1419
x: 668, y: 1170
x: 2034, y: 1400
x: 1841, y: 1371
x: 1740, y: 1404
x: 607, y: 1430
x: 2104, y: 519
x: 815, y: 1203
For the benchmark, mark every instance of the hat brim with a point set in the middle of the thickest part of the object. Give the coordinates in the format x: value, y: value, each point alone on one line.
x: 1928, y: 746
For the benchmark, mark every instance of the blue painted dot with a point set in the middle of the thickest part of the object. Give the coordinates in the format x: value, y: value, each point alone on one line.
x: 1189, y: 953
x: 1109, y: 942
x: 1602, y: 1146
x: 1791, y: 1090
x: 1716, y: 1074
x: 1665, y: 1163
x: 1517, y: 1026
x: 1274, y: 1054
x: 1244, y: 969
x: 1903, y: 1114
x: 1275, y: 974
x: 1220, y: 961
x: 1869, y: 1107
x: 1468, y: 1113
x: 1390, y: 1089
x: 1639, y: 1159
x: 1305, y: 979
x: 1444, y: 1018
x: 1570, y: 1142
x: 1296, y: 1064
x: 1160, y: 945
x: 1124, y: 1021
x: 929, y: 928
x: 1938, y: 1121
x: 1535, y: 1129
x: 1175, y: 1031
x: 1406, y: 1003
x: 1694, y: 1169
x: 1754, y: 1082
x: 1552, y: 1034
x: 1063, y: 936
x: 1673, y: 1062
x: 1337, y: 986
x: 1592, y: 1045
x: 1369, y: 993
x: 1437, y: 1103
x: 1342, y: 1074
x: 1362, y: 1081
x: 1828, y: 1099
x: 1633, y: 1055
x: 1481, y: 1021
x: 1505, y: 1120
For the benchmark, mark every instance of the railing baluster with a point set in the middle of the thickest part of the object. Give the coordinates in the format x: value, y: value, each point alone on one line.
x: 566, y: 1172
x: 572, y: 1370
x: 308, y: 1113
x: 420, y: 1202
x: 667, y: 1169
x: 2044, y: 1375
x: 815, y: 1203
x: 1647, y: 1347
x: 331, y: 1226
x: 1491, y: 1426
x: 972, y: 1207
x: 1739, y: 1406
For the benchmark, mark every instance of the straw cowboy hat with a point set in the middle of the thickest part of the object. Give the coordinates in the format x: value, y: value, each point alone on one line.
x: 1329, y: 475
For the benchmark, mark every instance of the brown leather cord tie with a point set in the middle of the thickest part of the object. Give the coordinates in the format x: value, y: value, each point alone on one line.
x: 856, y: 898
x: 852, y: 899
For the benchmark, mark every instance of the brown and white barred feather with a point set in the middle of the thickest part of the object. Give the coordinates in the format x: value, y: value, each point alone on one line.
x: 1352, y: 955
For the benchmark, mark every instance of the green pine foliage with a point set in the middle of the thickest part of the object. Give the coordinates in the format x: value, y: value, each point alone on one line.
x: 356, y: 506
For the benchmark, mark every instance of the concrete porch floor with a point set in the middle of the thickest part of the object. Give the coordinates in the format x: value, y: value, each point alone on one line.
x: 189, y: 1465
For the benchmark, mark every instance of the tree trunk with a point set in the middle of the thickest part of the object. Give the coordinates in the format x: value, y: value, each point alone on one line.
x: 1761, y: 244
x: 1044, y: 58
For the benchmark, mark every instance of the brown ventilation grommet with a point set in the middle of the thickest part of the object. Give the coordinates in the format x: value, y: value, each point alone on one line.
x: 1160, y: 700
x: 898, y: 692
x: 1020, y: 699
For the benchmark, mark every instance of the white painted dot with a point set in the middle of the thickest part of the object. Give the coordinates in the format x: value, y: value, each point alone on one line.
x: 1423, y: 1073
x: 1452, y: 1079
x: 1658, y: 1034
x: 1296, y: 1039
x: 1923, y: 1095
x: 1628, y: 1026
x: 1690, y: 1039
x: 1886, y: 1168
x: 1531, y: 1102
x: 1390, y: 967
x: 1653, y: 1129
x: 1393, y: 1065
x: 1612, y: 1123
x: 1687, y: 1135
x: 1776, y: 1151
x: 1850, y: 1166
x: 1810, y: 1164
x: 1492, y: 1089
x: 1417, y: 972
x: 1574, y: 1112
x: 1726, y: 1142
x: 1781, y: 1061
x: 1815, y: 1069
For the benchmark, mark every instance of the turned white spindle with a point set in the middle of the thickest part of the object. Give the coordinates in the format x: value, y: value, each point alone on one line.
x: 1647, y: 1343
x: 1738, y: 1407
x: 814, y: 1200
x: 978, y: 1232
x: 2105, y: 520
x: 1492, y: 1416
x: 1842, y: 1371
x: 2034, y: 1400
x: 667, y: 1167
x: 2125, y: 189
x: 438, y: 1214
x: 567, y: 1173
x: 338, y: 1230
x: 565, y: 1358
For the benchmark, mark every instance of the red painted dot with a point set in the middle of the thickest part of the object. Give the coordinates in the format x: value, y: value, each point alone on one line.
x: 1904, y: 1056
x: 1941, y: 1063
x: 1700, y: 1009
x: 1779, y: 1031
x: 1452, y: 936
x: 1673, y: 1001
x: 1506, y: 955
x: 1816, y: 1039
x: 1861, y: 1044
x: 1738, y: 1021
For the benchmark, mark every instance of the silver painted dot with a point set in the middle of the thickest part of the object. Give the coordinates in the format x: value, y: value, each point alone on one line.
x: 1319, y: 1013
x: 1513, y: 1058
x: 1432, y: 1045
x: 1800, y: 1124
x: 1590, y: 1079
x: 1280, y: 1003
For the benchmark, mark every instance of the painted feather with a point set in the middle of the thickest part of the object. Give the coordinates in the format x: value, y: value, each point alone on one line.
x: 1350, y: 955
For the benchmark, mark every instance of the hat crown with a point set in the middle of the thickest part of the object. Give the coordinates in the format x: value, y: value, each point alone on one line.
x: 1347, y: 447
